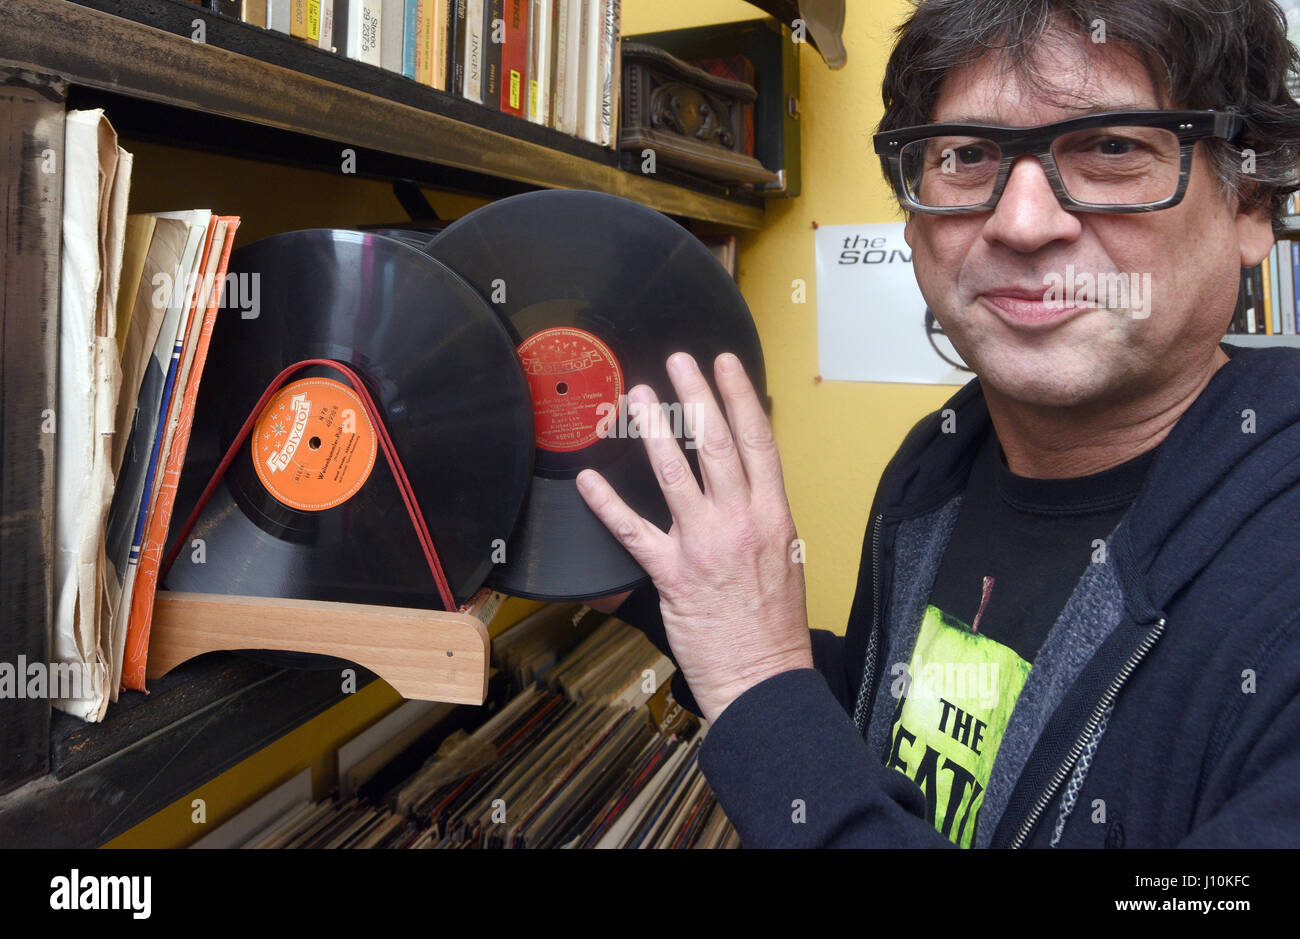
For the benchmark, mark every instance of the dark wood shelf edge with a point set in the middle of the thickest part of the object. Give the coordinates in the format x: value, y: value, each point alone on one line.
x: 318, y: 96
x: 113, y: 794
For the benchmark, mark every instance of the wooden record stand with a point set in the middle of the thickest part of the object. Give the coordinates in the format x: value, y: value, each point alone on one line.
x: 428, y: 655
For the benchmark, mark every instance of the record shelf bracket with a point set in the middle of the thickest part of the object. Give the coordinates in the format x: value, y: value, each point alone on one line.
x: 426, y: 655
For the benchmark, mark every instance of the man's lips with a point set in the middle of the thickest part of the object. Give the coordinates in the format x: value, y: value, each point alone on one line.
x: 1027, y: 308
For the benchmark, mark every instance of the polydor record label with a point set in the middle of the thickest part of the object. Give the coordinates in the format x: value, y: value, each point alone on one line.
x: 314, y: 445
x: 576, y: 384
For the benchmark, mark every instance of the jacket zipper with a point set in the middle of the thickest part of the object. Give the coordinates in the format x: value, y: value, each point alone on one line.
x: 869, y: 672
x: 1107, y: 699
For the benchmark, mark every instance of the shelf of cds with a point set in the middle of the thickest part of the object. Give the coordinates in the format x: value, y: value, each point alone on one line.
x: 1268, y: 301
x: 193, y: 76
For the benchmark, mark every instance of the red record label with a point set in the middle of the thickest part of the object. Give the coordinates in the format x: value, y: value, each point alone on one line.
x: 576, y: 384
x: 313, y: 445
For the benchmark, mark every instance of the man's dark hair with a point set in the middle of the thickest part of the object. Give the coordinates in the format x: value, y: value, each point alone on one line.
x: 1198, y: 53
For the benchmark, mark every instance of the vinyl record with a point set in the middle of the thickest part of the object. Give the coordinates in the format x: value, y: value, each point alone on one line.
x: 318, y: 515
x: 597, y: 292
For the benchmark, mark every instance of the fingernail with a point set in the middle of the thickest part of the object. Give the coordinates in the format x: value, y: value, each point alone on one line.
x: 639, y: 395
x: 678, y: 361
x: 586, y: 479
x: 728, y: 362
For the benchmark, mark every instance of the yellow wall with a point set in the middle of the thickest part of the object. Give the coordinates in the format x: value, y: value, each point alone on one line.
x: 835, y: 437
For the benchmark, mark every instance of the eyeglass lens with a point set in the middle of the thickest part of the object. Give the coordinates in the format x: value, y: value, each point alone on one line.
x: 1120, y: 165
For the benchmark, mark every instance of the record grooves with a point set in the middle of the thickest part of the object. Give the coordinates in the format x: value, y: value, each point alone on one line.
x: 596, y: 292
x: 332, y: 526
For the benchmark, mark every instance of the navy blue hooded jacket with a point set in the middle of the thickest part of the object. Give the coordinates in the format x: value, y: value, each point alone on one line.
x: 1163, y: 709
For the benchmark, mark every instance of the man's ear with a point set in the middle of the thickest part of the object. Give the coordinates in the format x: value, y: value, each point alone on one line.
x: 1254, y: 234
x: 907, y: 228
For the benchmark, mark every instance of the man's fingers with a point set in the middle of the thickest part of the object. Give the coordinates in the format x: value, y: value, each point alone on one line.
x: 720, y: 465
x: 676, y: 480
x: 647, y: 544
x: 749, y: 426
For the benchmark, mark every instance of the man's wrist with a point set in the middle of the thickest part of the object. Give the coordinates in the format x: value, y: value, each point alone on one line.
x: 714, y: 702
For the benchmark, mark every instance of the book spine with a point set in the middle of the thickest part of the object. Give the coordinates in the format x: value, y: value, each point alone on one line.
x: 514, y: 56
x: 494, y: 29
x: 298, y: 19
x: 442, y: 12
x: 456, y: 48
x: 609, y: 73
x: 424, y: 42
x: 539, y: 62
x: 313, y: 22
x: 1286, y: 315
x: 1238, y: 324
x: 1286, y: 281
x: 573, y: 94
x: 342, y: 20
x: 1247, y: 324
x: 253, y: 12
x: 589, y: 113
x: 554, y: 69
x: 581, y: 87
x: 1257, y: 276
x: 1269, y: 328
x: 410, y: 24
x: 326, y: 25
x: 532, y: 60
x: 364, y: 31
x: 1295, y: 286
x: 391, y: 32
x: 278, y: 15
x: 560, y: 82
x: 473, y: 89
x: 227, y: 7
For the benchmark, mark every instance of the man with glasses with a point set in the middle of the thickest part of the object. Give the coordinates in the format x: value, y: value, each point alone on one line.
x: 1077, y: 620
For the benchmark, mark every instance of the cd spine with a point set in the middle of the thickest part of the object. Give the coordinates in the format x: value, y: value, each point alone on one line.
x: 456, y: 52
x: 473, y: 89
x: 493, y: 40
x: 514, y: 56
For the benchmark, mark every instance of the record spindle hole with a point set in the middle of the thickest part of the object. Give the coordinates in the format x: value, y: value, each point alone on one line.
x: 314, y: 443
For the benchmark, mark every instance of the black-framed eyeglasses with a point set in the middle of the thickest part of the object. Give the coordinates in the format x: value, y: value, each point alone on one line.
x: 1115, y: 161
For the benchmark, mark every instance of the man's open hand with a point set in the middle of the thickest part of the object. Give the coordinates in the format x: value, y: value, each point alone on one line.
x: 730, y: 581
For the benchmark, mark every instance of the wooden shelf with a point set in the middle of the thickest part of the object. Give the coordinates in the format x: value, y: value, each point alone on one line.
x: 264, y: 79
x: 197, y: 722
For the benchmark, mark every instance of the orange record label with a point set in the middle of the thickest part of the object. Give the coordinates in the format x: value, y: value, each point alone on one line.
x: 576, y: 384
x: 313, y: 445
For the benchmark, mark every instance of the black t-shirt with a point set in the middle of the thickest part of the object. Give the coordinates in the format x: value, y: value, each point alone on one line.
x: 1017, y: 551
x: 1033, y: 539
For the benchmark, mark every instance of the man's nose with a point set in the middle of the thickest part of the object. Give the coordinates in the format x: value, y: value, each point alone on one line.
x: 1028, y: 215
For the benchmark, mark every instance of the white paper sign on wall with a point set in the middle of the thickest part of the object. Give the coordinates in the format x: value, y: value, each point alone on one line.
x: 871, y: 317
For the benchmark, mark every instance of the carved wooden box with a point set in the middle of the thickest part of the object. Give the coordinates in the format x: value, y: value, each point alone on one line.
x: 690, y: 119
